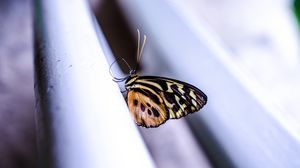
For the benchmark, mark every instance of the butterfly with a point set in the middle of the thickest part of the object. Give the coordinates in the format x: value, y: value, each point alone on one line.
x: 152, y: 100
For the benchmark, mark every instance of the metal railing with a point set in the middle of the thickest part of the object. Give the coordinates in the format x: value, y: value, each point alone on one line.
x: 82, y: 118
x: 235, y: 128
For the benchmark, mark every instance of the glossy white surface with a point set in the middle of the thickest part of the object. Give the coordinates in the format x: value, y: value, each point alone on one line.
x: 251, y: 131
x: 89, y: 120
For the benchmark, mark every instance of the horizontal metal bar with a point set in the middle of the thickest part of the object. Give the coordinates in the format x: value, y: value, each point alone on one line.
x: 82, y: 118
x: 239, y: 130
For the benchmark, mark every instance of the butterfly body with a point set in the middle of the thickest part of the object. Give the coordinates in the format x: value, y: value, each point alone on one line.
x: 153, y: 100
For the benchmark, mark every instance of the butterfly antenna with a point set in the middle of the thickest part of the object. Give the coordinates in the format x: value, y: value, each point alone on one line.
x: 140, y: 49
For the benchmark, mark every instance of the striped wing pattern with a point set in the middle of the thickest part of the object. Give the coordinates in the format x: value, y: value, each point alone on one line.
x: 169, y: 97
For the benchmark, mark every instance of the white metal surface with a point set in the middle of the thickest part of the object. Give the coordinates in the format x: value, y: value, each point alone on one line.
x: 82, y: 117
x: 240, y: 123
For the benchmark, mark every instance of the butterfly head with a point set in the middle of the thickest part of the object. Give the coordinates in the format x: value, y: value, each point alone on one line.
x: 130, y: 79
x: 132, y: 72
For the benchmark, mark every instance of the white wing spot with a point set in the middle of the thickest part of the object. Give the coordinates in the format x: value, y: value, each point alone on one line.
x: 194, y: 103
x: 192, y: 94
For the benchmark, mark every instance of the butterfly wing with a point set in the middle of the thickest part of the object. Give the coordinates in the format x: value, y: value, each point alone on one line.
x: 146, y: 107
x: 182, y: 99
x: 179, y: 98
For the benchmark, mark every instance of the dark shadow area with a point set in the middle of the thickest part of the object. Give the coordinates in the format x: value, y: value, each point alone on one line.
x: 43, y: 117
x: 117, y: 32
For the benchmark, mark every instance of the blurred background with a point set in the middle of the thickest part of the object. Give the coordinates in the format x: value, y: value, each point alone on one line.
x: 243, y: 54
